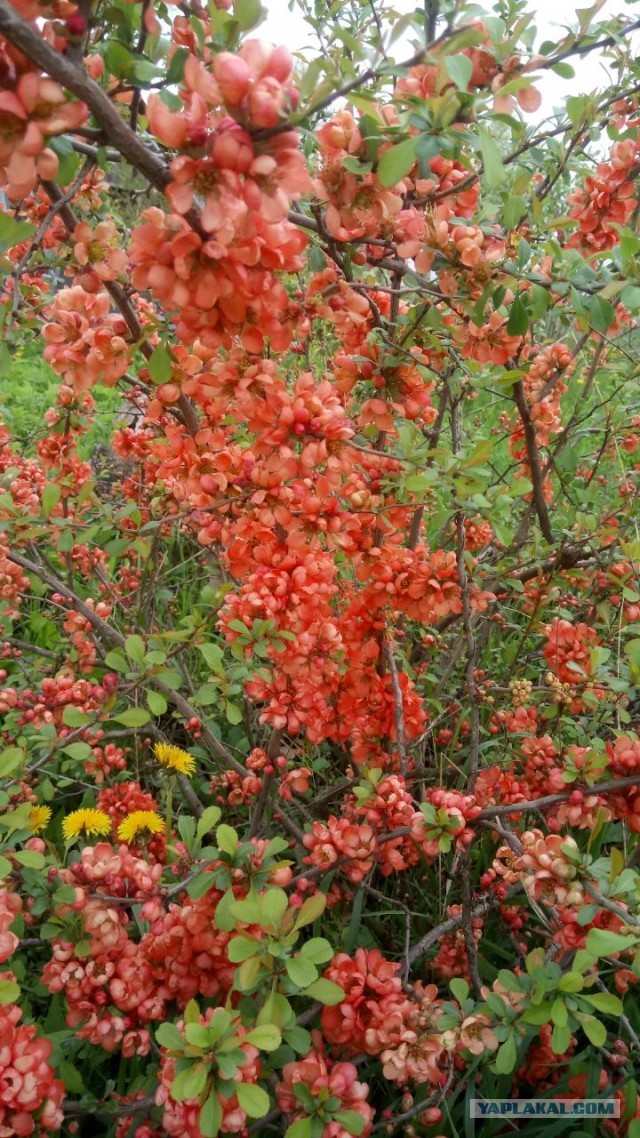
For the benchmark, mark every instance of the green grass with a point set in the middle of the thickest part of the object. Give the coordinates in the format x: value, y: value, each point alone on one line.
x: 28, y: 390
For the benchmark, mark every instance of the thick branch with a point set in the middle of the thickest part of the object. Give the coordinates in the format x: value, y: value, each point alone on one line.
x: 533, y: 458
x: 29, y: 41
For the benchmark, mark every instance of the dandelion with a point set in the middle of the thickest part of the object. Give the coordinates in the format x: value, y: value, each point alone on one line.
x: 175, y: 759
x: 39, y: 818
x: 87, y: 821
x: 137, y: 822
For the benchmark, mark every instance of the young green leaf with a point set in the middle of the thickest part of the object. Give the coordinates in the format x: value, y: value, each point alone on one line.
x: 210, y: 1119
x: 350, y: 1120
x: 326, y: 992
x: 459, y: 68
x: 266, y: 1037
x: 396, y: 162
x: 491, y: 159
x: 301, y: 972
x: 169, y: 1036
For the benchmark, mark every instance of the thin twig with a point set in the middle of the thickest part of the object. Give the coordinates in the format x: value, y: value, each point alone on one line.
x: 398, y: 710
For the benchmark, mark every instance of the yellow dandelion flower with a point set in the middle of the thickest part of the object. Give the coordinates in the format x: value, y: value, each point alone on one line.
x: 39, y: 818
x: 138, y: 821
x: 87, y: 821
x: 175, y: 759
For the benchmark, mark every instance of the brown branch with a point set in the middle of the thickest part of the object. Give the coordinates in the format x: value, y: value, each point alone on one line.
x: 467, y: 928
x: 111, y: 636
x: 471, y: 662
x: 75, y: 79
x: 35, y: 243
x: 434, y: 435
x: 184, y: 406
x: 533, y: 459
x: 567, y: 558
x: 398, y: 709
x: 611, y: 787
x: 273, y: 747
x: 453, y: 923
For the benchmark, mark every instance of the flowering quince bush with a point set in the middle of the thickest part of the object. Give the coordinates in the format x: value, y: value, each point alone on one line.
x: 320, y: 714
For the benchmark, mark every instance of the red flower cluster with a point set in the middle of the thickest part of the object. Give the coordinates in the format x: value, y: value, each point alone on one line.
x: 30, y: 1096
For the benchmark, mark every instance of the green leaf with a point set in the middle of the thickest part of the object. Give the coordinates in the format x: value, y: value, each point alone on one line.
x: 266, y: 1037
x: 73, y: 717
x: 135, y: 649
x: 505, y: 1060
x: 248, y: 973
x: 460, y: 69
x: 117, y: 58
x: 301, y: 972
x: 248, y: 13
x: 300, y: 1129
x: 198, y: 1035
x: 274, y: 904
x: 227, y: 839
x: 600, y: 942
x: 223, y: 918
x: 395, y: 163
x: 559, y: 1013
x: 514, y: 210
x: 201, y: 885
x: 248, y: 910
x: 10, y: 758
x: 571, y: 982
x: 318, y: 950
x: 208, y: 819
x: 233, y: 713
x: 187, y: 830
x: 133, y: 717
x: 253, y: 1100
x: 190, y: 1083
x: 160, y: 364
x: 460, y: 989
x: 71, y: 1077
x: 604, y: 1002
x: 241, y: 948
x: 276, y: 1010
x: 310, y: 910
x: 32, y: 859
x: 537, y: 1015
x: 595, y: 1031
x: 491, y: 159
x: 9, y: 992
x: 350, y: 1119
x: 326, y: 992
x: 210, y: 1119
x: 13, y: 232
x: 518, y: 321
x: 630, y: 297
x: 601, y: 314
x: 299, y: 1039
x: 560, y: 1038
x: 79, y: 751
x: 156, y: 703
x: 219, y: 1023
x: 168, y: 1036
x: 51, y: 495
